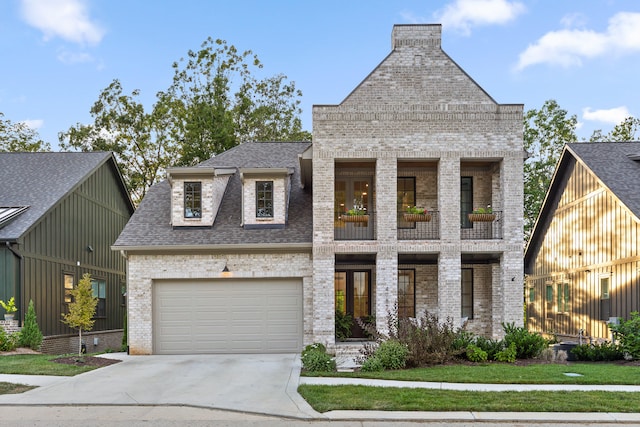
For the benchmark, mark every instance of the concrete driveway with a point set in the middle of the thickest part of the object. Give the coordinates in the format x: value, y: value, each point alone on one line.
x: 259, y: 383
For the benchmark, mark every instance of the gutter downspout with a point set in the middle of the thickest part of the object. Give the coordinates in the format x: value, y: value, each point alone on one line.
x: 20, y: 276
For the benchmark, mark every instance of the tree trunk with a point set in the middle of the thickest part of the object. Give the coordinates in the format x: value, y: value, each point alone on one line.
x: 80, y: 342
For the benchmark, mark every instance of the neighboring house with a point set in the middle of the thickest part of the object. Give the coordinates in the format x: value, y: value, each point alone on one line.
x: 238, y: 254
x: 583, y: 258
x: 59, y: 215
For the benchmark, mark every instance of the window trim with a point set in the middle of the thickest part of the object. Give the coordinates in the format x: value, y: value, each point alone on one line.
x: 263, y: 197
x: 192, y: 201
x: 411, y: 272
x: 67, y: 298
x: 100, y: 281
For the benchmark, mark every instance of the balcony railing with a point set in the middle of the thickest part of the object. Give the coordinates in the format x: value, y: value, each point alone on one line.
x: 359, y: 227
x: 419, y: 227
x: 488, y: 226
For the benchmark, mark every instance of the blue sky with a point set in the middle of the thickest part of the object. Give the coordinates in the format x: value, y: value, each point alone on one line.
x: 59, y: 54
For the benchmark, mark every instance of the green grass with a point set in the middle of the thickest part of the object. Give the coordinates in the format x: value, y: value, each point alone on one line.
x: 38, y: 364
x: 10, y: 388
x: 328, y: 398
x: 502, y: 373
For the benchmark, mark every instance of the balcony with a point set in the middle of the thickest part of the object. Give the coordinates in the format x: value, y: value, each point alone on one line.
x: 483, y: 228
x: 361, y: 227
x: 419, y: 228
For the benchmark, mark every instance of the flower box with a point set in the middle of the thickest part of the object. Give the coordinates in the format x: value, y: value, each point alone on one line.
x: 355, y: 218
x: 408, y: 217
x: 481, y: 217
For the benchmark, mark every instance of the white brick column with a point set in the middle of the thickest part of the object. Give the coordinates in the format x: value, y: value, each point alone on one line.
x: 386, y: 288
x: 324, y: 310
x: 386, y: 195
x: 449, y: 197
x: 449, y: 283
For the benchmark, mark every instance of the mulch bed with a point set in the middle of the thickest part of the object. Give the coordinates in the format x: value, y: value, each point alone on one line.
x: 86, y: 361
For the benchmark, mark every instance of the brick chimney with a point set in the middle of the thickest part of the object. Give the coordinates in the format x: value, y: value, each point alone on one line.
x: 423, y: 35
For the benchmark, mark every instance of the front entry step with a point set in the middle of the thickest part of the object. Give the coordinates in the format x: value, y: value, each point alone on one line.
x: 346, y: 354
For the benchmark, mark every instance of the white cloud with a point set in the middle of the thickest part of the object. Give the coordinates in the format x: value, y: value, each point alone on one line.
x: 67, y: 19
x: 67, y: 57
x: 613, y: 115
x: 33, y: 124
x: 464, y: 14
x: 569, y: 47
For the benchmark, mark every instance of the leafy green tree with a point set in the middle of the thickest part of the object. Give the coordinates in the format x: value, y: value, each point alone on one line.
x: 30, y: 334
x: 545, y: 132
x: 16, y: 137
x: 139, y: 140
x: 626, y: 130
x: 83, y: 308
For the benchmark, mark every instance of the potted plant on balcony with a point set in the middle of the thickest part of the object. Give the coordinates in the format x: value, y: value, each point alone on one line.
x: 482, y: 215
x: 357, y: 214
x: 9, y: 308
x: 416, y: 214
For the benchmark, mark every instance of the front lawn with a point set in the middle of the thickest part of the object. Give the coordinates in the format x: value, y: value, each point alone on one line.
x: 39, y: 364
x: 329, y: 398
x: 503, y: 373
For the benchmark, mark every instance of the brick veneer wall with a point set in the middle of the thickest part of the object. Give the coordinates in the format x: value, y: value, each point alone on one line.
x: 418, y: 105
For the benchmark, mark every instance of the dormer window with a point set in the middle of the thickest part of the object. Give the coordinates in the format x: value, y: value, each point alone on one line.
x: 192, y: 199
x: 264, y: 199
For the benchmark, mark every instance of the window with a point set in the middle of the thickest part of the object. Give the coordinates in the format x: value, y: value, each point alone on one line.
x: 549, y: 299
x: 605, y: 298
x: 192, y: 199
x: 466, y: 201
x: 467, y: 293
x: 406, y: 293
x: 68, y: 287
x: 406, y: 198
x: 604, y: 288
x: 264, y: 199
x: 532, y: 294
x: 563, y: 297
x: 100, y: 291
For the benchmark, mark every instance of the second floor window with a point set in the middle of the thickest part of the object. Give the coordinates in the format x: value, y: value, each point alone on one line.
x: 264, y: 199
x: 192, y: 200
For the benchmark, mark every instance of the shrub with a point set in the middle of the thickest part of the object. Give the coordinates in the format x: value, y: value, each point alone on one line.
x: 628, y: 332
x: 372, y: 364
x: 507, y: 354
x: 30, y: 335
x: 344, y: 322
x: 315, y: 358
x: 8, y: 342
x: 528, y: 345
x: 476, y: 354
x: 491, y: 346
x: 606, y: 351
x: 392, y: 354
x: 463, y: 340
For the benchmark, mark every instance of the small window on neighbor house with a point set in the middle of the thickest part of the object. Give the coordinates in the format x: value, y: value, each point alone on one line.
x: 100, y: 291
x: 68, y: 287
x: 192, y: 199
x: 467, y: 293
x: 406, y: 293
x: 604, y: 288
x: 563, y: 297
x: 532, y: 294
x: 264, y: 199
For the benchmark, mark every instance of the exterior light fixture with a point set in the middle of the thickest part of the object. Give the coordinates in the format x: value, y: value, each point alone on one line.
x: 226, y: 272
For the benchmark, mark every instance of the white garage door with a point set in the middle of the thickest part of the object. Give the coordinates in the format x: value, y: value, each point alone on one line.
x: 227, y: 316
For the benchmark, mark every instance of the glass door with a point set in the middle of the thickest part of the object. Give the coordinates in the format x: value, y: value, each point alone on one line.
x: 353, y: 297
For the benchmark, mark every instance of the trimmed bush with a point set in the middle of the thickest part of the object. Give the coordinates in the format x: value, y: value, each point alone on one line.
x: 606, y: 351
x: 491, y: 346
x: 528, y: 345
x: 476, y: 354
x: 372, y: 364
x: 315, y: 359
x: 507, y: 355
x: 392, y: 354
x: 9, y: 342
x: 30, y: 335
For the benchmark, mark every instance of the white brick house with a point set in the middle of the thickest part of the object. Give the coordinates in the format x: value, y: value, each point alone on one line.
x: 418, y: 131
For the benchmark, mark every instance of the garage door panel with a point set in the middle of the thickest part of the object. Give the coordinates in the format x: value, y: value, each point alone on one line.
x: 250, y: 316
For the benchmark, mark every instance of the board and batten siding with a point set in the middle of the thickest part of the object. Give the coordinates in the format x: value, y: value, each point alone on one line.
x: 591, y: 236
x: 93, y: 215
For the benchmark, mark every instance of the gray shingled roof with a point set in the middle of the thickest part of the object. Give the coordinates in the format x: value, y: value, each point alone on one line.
x: 611, y: 162
x: 151, y: 226
x: 40, y: 181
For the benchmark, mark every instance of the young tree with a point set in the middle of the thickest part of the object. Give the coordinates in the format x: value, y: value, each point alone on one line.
x: 19, y: 137
x: 30, y: 334
x: 624, y: 131
x: 82, y: 309
x: 545, y: 132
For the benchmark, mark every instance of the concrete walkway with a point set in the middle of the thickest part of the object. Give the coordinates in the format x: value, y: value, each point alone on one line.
x: 255, y: 385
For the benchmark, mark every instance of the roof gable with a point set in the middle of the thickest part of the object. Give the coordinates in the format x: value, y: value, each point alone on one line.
x: 41, y: 181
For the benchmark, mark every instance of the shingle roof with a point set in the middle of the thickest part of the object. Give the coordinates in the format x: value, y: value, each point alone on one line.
x: 39, y: 181
x: 151, y: 226
x: 611, y: 163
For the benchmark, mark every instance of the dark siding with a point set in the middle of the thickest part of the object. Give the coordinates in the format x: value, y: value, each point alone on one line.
x: 93, y: 215
x: 9, y: 274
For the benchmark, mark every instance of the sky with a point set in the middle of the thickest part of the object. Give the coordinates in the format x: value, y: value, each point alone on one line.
x: 58, y: 55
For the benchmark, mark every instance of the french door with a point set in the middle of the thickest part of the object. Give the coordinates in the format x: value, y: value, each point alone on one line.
x: 353, y: 296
